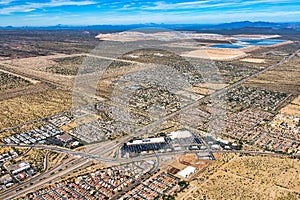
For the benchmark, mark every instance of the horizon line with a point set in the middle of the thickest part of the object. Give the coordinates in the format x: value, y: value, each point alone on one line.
x: 150, y: 23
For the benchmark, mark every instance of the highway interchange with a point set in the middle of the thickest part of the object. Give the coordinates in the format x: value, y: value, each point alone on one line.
x: 97, y: 151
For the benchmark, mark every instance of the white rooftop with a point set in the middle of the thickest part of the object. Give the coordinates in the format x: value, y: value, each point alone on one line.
x: 186, y: 172
x: 180, y: 134
x: 147, y: 141
x: 222, y: 141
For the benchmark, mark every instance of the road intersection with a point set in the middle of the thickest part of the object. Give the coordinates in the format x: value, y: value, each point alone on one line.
x: 98, y: 151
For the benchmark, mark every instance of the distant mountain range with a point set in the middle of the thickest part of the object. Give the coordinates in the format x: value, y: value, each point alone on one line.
x: 289, y: 27
x: 243, y: 24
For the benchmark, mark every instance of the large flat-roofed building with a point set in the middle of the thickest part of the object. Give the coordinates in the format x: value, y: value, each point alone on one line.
x: 147, y: 141
x: 186, y: 172
x: 64, y: 138
x: 19, y: 167
x: 146, y: 144
x: 180, y: 134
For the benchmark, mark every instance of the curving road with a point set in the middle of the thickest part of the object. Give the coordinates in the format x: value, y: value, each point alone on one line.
x: 97, y: 152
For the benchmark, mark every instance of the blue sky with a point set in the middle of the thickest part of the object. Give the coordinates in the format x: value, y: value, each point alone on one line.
x: 87, y: 12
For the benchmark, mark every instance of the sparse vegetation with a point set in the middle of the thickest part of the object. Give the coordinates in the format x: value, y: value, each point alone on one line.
x: 9, y: 81
x: 34, y: 106
x: 248, y: 177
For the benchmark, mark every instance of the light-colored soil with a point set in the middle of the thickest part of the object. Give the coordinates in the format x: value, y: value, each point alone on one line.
x: 291, y: 109
x: 164, y: 36
x: 256, y: 36
x: 28, y: 107
x: 178, y: 165
x: 282, y: 43
x: 22, y: 77
x: 282, y: 78
x: 213, y: 86
x: 296, y: 101
x: 37, y: 63
x: 37, y: 67
x: 216, y: 54
x: 247, y: 177
x: 200, y: 90
x: 253, y: 60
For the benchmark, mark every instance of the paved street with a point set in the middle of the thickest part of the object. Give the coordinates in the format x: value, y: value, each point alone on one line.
x: 83, y: 158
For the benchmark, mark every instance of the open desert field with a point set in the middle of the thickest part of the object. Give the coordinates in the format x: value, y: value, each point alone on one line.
x: 29, y: 107
x: 13, y: 85
x: 281, y: 78
x: 253, y: 60
x: 291, y: 109
x: 45, y: 68
x: 247, y: 177
x: 216, y: 54
x: 33, y: 43
x: 9, y: 81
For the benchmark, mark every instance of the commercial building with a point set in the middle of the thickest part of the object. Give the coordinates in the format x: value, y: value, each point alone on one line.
x: 64, y: 138
x: 180, y: 134
x: 147, y: 144
x: 6, y: 179
x: 186, y: 172
x: 19, y: 167
x: 147, y: 141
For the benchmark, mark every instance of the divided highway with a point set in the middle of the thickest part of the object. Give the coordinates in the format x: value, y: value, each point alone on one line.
x: 97, y: 153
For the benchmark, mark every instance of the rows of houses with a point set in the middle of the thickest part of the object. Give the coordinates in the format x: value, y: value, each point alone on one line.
x: 38, y: 135
x: 47, y: 134
x: 101, y: 184
x: 156, y: 187
x: 249, y: 97
x: 237, y: 124
x: 6, y: 156
x: 268, y: 138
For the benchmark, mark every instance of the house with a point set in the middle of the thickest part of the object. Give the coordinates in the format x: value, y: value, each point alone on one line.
x: 64, y: 138
x: 5, y: 179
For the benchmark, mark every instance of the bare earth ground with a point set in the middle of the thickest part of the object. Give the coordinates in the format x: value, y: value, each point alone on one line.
x: 247, y: 177
x: 292, y: 109
x: 28, y: 107
x: 296, y: 100
x: 258, y: 36
x: 231, y: 177
x: 37, y: 67
x: 216, y: 54
x: 253, y: 60
x: 9, y: 81
x: 283, y: 78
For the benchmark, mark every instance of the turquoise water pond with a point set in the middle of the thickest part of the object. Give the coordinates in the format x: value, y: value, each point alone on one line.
x: 241, y: 43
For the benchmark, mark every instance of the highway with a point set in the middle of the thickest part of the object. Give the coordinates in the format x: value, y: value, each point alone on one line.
x: 97, y: 152
x: 43, y: 178
x: 144, y: 129
x: 65, y: 167
x: 72, y: 164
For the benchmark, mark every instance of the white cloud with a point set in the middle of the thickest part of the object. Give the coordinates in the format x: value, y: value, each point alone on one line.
x: 5, y: 2
x: 158, y: 12
x: 179, y: 17
x: 28, y: 7
x: 161, y: 5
